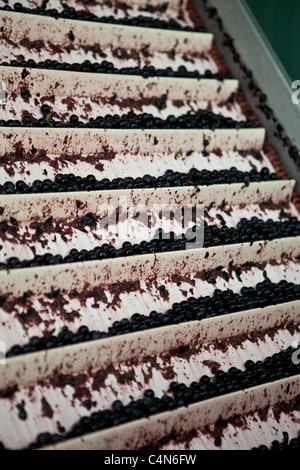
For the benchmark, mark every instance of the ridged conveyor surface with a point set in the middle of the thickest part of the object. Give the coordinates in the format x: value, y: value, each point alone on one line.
x: 149, y: 248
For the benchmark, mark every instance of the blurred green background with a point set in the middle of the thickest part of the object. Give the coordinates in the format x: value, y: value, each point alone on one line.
x: 280, y: 21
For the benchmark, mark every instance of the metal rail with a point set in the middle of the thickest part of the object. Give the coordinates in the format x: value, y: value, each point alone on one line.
x: 268, y: 72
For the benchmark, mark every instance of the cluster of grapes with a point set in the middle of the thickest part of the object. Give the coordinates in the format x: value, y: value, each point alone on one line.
x: 277, y: 367
x: 246, y: 231
x: 171, y: 179
x: 202, y: 119
x: 221, y: 303
x: 72, y: 14
x: 108, y: 67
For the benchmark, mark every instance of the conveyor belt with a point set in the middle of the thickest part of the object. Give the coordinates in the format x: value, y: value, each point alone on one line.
x: 146, y: 241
